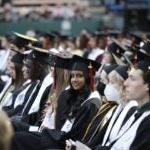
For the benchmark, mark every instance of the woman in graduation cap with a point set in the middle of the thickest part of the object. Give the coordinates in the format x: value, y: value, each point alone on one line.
x: 114, y: 96
x: 14, y: 70
x: 47, y: 113
x: 80, y: 105
x: 134, y: 132
x: 35, y: 71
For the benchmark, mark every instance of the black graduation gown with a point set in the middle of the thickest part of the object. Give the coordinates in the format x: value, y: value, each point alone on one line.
x: 34, y: 119
x: 141, y: 140
x: 97, y: 123
x: 83, y: 117
x: 55, y: 139
x: 97, y: 141
x: 2, y: 84
x: 10, y: 110
x: 33, y: 110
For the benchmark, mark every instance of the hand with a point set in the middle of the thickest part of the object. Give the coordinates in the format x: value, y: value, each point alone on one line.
x: 69, y: 144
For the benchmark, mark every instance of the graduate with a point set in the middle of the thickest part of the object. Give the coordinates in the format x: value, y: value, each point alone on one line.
x: 15, y: 61
x: 133, y: 134
x: 15, y: 80
x: 137, y: 132
x: 44, y: 107
x: 114, y: 96
x: 80, y: 104
x: 21, y: 95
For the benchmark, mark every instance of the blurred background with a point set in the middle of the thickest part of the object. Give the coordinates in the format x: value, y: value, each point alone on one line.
x: 72, y: 16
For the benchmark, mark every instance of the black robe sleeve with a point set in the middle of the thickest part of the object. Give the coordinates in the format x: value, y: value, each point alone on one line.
x: 61, y: 111
x: 56, y: 138
x: 83, y: 118
x: 142, y: 139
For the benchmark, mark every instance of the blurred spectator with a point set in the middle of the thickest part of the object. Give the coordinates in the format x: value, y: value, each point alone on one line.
x: 9, y: 13
x: 6, y: 132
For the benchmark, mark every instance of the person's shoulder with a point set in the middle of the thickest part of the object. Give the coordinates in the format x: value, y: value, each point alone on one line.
x: 94, y: 99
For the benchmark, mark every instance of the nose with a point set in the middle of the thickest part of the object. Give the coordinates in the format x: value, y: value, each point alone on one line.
x: 126, y: 82
x: 74, y: 78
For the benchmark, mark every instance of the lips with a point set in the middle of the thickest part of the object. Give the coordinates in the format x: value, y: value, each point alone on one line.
x: 75, y: 84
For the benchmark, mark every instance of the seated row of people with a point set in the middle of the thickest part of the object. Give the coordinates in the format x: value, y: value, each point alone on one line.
x: 75, y: 113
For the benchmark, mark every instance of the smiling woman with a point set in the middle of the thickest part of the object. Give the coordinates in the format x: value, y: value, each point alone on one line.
x: 78, y: 104
x: 77, y: 80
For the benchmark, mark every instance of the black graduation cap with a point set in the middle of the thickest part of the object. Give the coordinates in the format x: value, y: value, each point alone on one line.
x: 23, y: 40
x: 40, y: 55
x: 114, y: 33
x: 145, y: 50
x: 137, y: 36
x: 45, y: 34
x: 18, y: 58
x: 109, y: 68
x: 120, y: 49
x: 122, y: 70
x: 80, y: 63
x: 112, y: 48
x: 10, y: 37
x: 118, y: 52
x: 58, y: 60
x: 143, y: 65
x: 87, y: 66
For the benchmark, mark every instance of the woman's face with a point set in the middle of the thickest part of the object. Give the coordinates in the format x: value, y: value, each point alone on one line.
x: 26, y: 69
x: 77, y: 80
x: 104, y: 77
x: 116, y: 80
x: 107, y: 58
x: 11, y: 70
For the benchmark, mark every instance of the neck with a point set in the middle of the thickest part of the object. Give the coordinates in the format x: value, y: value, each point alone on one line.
x: 144, y: 100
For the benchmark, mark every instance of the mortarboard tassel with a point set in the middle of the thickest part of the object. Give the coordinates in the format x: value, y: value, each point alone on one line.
x: 91, y: 77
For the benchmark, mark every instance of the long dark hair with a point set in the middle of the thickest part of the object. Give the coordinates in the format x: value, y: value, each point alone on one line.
x: 19, y: 75
x: 38, y: 71
x: 84, y: 91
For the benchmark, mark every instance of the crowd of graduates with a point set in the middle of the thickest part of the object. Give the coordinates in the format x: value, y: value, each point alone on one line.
x: 86, y: 92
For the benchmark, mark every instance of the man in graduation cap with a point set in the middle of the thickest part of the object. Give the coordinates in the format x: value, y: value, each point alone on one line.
x: 137, y: 135
x: 134, y: 132
x: 80, y: 104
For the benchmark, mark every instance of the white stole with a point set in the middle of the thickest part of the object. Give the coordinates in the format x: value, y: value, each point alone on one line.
x: 113, y: 128
x: 118, y: 123
x: 94, y: 94
x: 49, y: 120
x: 8, y: 83
x: 7, y: 101
x: 21, y: 97
x: 48, y: 80
x: 33, y: 90
x: 125, y: 141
